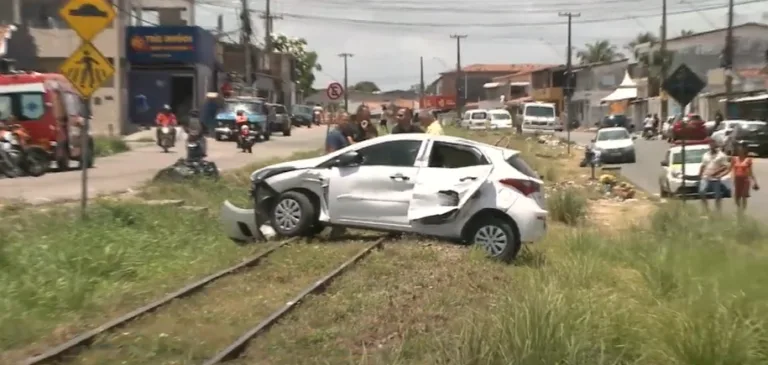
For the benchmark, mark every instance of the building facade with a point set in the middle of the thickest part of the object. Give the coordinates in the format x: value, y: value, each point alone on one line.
x: 593, y: 83
x: 53, y: 41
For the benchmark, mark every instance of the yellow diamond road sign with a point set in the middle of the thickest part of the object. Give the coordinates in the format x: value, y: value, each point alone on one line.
x: 87, y: 17
x: 87, y: 69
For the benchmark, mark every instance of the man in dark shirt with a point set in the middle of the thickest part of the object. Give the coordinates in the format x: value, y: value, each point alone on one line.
x: 404, y: 124
x: 336, y: 140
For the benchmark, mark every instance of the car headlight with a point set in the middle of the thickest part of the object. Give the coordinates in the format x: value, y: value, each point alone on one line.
x: 676, y: 174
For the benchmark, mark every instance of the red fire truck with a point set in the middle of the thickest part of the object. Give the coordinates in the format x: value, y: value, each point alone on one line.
x: 49, y: 108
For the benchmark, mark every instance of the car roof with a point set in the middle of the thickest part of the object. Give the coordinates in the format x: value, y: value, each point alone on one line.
x: 476, y: 110
x: 498, y: 111
x: 678, y: 149
x: 611, y: 129
x: 424, y: 136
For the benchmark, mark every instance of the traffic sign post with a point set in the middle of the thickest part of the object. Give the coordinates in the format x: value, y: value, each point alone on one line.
x: 683, y: 85
x: 335, y: 91
x: 87, y: 68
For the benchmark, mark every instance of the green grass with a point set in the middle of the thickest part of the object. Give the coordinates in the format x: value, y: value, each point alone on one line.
x: 108, y: 146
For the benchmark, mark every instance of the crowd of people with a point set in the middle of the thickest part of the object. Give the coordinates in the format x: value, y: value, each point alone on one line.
x: 350, y: 129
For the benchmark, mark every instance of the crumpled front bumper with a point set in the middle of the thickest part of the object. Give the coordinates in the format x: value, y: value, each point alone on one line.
x: 243, y: 225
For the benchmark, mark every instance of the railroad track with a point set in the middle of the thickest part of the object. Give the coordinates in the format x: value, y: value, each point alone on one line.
x: 284, y: 294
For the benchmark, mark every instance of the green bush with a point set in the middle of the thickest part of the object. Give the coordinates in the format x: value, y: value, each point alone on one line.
x: 108, y: 146
x: 568, y: 205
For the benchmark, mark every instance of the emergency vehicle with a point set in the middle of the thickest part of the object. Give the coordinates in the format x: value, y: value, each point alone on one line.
x: 49, y: 108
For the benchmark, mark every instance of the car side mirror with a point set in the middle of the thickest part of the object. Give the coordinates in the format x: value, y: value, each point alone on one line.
x: 664, y: 163
x: 347, y: 159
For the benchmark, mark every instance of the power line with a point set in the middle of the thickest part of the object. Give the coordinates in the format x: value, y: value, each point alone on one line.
x: 331, y: 20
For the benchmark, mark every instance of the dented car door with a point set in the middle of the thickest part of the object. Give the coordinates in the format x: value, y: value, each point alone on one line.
x: 454, y: 174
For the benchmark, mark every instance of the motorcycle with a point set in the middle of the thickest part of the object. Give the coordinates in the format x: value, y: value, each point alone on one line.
x: 195, y: 148
x: 17, y: 158
x: 248, y: 140
x: 166, y: 138
x: 649, y: 134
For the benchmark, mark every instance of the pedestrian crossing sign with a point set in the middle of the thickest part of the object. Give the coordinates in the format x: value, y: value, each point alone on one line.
x: 87, y: 69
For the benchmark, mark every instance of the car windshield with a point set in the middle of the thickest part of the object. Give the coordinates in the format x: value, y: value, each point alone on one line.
x: 615, y: 121
x: 23, y: 106
x: 500, y: 116
x: 691, y: 156
x: 302, y: 109
x: 248, y: 106
x: 613, y: 135
x: 479, y: 115
x: 752, y: 127
x: 539, y: 111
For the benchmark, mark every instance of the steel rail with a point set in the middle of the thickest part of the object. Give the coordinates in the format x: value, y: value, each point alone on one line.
x: 238, y: 346
x: 87, y: 337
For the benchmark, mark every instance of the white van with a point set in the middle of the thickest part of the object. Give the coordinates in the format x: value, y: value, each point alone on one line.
x: 476, y: 119
x: 500, y: 119
x: 539, y: 118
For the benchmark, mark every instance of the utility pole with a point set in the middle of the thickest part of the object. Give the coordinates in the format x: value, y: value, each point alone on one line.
x: 569, y: 78
x: 663, y: 73
x: 421, y: 79
x: 460, y: 100
x: 246, y: 31
x: 728, y: 61
x: 269, y: 25
x: 346, y: 56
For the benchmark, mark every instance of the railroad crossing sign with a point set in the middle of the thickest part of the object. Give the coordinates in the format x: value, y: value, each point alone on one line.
x: 87, y: 69
x: 683, y: 85
x: 87, y: 17
x: 334, y: 91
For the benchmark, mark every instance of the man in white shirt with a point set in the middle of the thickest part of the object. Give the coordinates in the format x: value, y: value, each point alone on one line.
x: 714, y: 165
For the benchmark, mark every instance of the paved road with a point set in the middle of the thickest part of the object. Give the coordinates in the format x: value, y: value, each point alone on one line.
x: 131, y: 169
x: 645, y: 172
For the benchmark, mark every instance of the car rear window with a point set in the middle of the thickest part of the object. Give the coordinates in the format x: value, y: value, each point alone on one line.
x: 501, y: 116
x: 279, y: 109
x: 480, y: 115
x: 520, y: 165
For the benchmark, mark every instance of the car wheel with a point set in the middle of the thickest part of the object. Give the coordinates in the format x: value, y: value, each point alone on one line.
x: 496, y: 237
x: 287, y: 132
x: 293, y: 214
x: 266, y: 135
x: 662, y: 193
x: 632, y: 158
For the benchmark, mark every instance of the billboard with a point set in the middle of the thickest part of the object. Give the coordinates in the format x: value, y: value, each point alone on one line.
x: 170, y: 44
x: 437, y: 102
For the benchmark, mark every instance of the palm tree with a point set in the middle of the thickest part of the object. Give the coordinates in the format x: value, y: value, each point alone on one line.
x: 686, y: 33
x: 641, y: 38
x: 600, y: 51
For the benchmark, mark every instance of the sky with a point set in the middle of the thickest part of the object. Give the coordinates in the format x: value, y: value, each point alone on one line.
x: 388, y: 37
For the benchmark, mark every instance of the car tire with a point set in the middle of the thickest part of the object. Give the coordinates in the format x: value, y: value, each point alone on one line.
x: 662, y: 193
x: 266, y: 135
x: 632, y: 158
x: 293, y: 214
x: 287, y: 132
x: 487, y: 230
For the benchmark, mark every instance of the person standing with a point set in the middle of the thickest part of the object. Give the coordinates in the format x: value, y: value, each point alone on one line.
x: 714, y: 165
x: 367, y: 129
x: 404, y: 124
x: 335, y: 140
x: 743, y: 177
x: 429, y: 123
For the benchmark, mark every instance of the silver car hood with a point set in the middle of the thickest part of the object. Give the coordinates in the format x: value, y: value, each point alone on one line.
x: 295, y: 164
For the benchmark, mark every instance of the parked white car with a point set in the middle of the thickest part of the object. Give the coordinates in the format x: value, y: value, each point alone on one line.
x: 500, y: 119
x: 438, y: 186
x: 615, y: 145
x: 720, y: 135
x: 671, y: 180
x: 476, y: 119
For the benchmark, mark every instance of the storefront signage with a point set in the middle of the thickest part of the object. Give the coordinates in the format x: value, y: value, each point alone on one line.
x: 169, y: 44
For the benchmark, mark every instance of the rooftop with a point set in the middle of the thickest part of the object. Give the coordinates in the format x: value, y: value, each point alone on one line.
x: 498, y: 68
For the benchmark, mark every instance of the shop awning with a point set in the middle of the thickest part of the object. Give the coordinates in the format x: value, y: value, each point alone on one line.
x: 491, y: 85
x: 626, y: 91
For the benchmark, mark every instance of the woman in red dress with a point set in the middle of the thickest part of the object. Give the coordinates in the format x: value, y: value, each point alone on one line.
x: 743, y: 178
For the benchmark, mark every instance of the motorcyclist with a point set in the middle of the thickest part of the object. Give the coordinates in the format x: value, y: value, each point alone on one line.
x: 240, y: 120
x: 648, y: 128
x: 197, y: 130
x: 166, y: 118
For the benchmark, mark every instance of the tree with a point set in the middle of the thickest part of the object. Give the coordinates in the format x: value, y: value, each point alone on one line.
x: 305, y: 61
x: 600, y: 51
x: 686, y: 33
x: 366, y: 86
x: 641, y: 38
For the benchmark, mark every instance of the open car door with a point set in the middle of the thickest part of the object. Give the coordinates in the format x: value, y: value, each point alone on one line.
x: 440, y: 192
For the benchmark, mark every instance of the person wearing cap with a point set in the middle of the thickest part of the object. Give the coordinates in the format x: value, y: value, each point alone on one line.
x: 166, y: 118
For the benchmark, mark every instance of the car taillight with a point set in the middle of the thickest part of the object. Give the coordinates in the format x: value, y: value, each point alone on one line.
x: 526, y: 187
